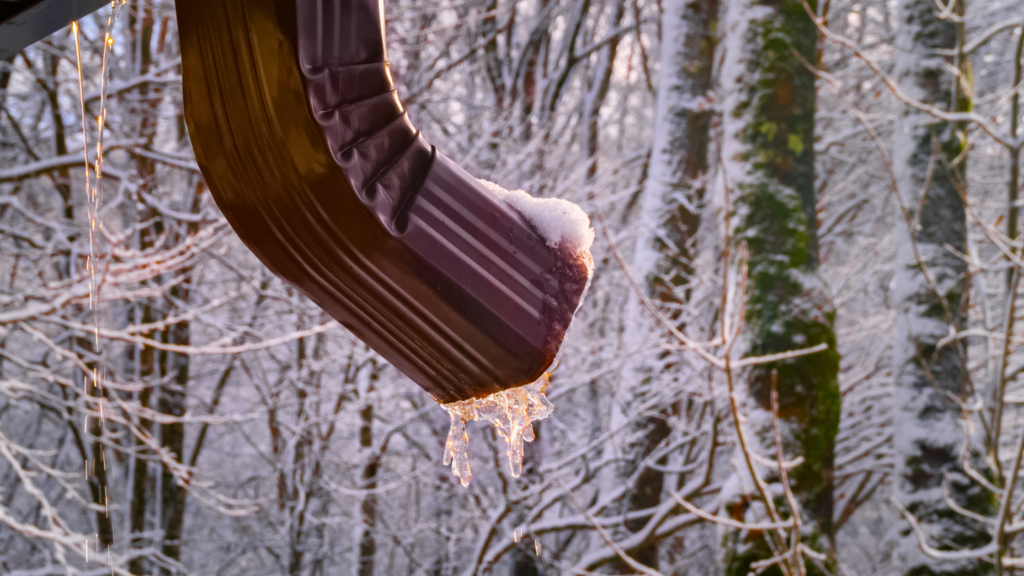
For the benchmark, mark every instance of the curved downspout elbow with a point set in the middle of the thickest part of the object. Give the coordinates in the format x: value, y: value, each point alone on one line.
x: 308, y: 151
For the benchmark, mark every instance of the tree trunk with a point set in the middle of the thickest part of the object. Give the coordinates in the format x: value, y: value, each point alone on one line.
x: 769, y: 171
x: 368, y: 506
x: 172, y: 434
x: 99, y: 486
x: 930, y: 435
x: 670, y: 209
x: 172, y: 402
x: 676, y: 184
x: 143, y: 358
x: 597, y: 92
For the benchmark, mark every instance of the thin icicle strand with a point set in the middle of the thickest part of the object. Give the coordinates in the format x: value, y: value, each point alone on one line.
x: 93, y: 202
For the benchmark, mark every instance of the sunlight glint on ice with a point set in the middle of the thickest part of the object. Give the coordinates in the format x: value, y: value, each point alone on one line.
x: 512, y: 412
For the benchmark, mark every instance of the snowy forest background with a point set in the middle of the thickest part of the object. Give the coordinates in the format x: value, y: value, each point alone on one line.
x: 835, y: 183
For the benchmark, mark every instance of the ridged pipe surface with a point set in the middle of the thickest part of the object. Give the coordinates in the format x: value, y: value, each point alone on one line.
x: 310, y: 155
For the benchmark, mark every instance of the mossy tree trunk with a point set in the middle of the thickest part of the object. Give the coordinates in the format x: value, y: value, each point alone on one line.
x: 769, y: 171
x: 929, y: 299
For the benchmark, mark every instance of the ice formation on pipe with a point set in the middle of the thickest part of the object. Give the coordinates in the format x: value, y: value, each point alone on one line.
x: 512, y: 412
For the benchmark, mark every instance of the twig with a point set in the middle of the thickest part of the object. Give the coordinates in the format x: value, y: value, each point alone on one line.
x: 794, y: 507
x: 605, y: 536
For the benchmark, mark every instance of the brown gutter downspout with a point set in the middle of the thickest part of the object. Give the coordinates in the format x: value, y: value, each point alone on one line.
x: 310, y: 155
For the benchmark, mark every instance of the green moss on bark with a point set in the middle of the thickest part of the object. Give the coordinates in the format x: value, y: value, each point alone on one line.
x: 787, y: 307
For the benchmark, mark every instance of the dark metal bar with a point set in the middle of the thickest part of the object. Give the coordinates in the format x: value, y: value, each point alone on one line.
x: 25, y: 22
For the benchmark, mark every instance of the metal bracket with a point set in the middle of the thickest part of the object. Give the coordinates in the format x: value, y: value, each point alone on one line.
x: 25, y: 22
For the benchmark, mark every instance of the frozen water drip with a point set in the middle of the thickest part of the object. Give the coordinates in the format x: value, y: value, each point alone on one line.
x: 512, y: 412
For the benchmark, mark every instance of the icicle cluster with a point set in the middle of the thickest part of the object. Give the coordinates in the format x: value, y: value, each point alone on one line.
x: 511, y: 411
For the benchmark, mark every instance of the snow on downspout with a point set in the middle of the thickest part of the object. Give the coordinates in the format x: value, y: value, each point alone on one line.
x: 563, y: 225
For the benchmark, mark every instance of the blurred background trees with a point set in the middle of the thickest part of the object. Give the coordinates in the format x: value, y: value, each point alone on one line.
x: 800, y: 353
